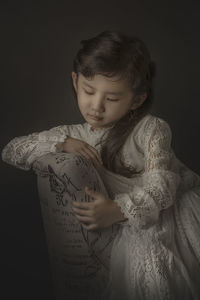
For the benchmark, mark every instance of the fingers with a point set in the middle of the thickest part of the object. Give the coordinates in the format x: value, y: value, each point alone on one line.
x: 95, y: 157
x: 82, y: 205
x: 73, y: 145
x: 97, y: 196
x: 91, y: 153
x: 82, y: 212
x: 85, y: 216
x: 84, y: 154
x: 90, y: 227
x: 84, y: 219
x: 92, y: 193
x: 96, y: 154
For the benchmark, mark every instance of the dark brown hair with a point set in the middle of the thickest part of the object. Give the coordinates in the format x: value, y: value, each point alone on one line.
x: 112, y: 53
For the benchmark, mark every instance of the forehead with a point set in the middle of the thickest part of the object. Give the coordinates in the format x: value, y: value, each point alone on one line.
x: 108, y: 84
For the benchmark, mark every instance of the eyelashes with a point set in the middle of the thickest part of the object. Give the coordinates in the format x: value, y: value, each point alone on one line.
x: 109, y: 99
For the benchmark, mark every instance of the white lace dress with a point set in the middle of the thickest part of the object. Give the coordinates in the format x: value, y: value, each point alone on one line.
x: 156, y: 254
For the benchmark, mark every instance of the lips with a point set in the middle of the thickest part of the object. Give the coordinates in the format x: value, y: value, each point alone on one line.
x: 95, y: 118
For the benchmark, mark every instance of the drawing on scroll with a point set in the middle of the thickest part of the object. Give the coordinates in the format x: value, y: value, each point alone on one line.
x: 65, y: 188
x: 59, y: 185
x: 97, y: 247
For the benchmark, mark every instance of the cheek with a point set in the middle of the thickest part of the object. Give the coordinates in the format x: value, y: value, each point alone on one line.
x: 82, y: 100
x: 118, y: 110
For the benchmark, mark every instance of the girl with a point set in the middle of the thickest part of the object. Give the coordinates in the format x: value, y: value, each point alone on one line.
x: 153, y: 197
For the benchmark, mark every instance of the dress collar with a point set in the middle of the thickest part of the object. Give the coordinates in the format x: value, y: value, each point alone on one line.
x: 98, y: 130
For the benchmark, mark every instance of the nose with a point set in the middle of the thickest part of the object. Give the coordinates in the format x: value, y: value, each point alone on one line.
x: 98, y: 105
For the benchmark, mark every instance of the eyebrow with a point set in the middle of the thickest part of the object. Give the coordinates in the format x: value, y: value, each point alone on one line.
x: 111, y: 93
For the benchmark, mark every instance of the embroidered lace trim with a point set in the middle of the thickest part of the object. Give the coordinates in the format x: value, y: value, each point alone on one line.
x: 22, y: 151
x: 142, y: 205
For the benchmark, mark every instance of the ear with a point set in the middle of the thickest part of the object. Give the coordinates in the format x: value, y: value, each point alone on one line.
x: 74, y: 80
x: 139, y: 100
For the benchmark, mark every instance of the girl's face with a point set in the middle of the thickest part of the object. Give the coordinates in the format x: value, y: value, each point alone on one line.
x: 103, y: 101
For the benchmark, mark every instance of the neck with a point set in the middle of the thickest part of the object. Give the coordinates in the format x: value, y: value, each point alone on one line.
x: 93, y: 128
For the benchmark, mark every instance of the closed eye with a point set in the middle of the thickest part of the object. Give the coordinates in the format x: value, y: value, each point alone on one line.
x: 88, y: 93
x: 109, y: 99
x: 112, y: 99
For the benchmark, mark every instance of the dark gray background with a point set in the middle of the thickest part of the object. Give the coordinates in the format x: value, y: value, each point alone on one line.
x: 38, y: 43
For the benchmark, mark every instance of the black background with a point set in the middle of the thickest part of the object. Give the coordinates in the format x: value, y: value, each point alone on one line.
x: 38, y: 43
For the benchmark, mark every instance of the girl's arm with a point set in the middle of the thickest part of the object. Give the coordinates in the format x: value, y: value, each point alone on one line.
x: 22, y: 151
x: 160, y: 179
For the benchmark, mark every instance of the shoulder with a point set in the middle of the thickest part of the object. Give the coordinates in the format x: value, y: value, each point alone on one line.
x: 150, y: 121
x: 155, y: 124
x: 151, y: 127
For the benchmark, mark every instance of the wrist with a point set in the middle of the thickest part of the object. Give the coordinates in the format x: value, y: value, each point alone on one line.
x: 59, y: 147
x: 119, y: 216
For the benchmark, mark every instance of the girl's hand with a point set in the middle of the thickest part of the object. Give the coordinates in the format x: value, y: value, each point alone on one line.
x: 72, y: 145
x: 100, y: 213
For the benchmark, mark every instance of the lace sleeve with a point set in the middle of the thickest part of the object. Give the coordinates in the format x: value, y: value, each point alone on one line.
x: 22, y: 151
x: 143, y: 204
